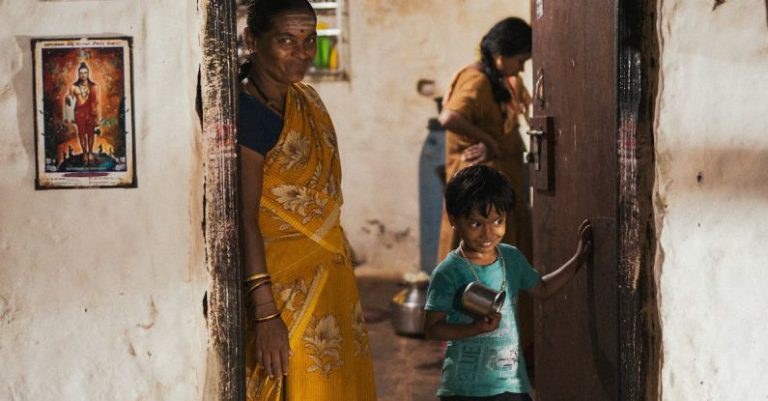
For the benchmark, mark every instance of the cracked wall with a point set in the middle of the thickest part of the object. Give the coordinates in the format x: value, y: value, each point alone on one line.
x: 100, y: 289
x: 710, y: 200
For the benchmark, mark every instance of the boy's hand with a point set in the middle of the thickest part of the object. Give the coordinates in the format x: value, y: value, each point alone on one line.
x: 584, y: 249
x: 488, y: 323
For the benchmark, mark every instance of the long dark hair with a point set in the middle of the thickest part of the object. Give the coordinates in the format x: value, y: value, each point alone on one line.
x: 509, y: 37
x: 261, y: 18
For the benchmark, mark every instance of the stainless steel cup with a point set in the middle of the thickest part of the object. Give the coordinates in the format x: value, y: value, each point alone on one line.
x: 481, y: 300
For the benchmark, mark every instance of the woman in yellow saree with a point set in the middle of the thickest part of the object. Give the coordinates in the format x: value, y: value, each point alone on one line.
x: 305, y: 332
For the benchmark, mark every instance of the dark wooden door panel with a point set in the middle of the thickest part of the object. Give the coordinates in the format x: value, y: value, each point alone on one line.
x: 577, y: 331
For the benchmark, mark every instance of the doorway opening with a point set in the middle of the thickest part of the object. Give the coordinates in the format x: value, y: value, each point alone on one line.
x: 616, y: 319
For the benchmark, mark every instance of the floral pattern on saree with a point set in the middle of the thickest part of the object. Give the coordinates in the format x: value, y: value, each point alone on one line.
x: 292, y: 295
x: 358, y: 327
x: 295, y: 151
x: 300, y: 200
x: 306, y: 253
x: 323, y: 339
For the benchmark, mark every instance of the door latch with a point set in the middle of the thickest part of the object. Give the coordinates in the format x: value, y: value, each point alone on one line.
x: 541, y: 156
x: 533, y: 157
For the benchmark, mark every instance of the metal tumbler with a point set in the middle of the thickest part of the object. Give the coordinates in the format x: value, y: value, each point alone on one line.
x: 481, y: 300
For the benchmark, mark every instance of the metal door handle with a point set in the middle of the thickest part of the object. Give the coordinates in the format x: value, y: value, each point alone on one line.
x: 541, y: 156
x: 534, y: 156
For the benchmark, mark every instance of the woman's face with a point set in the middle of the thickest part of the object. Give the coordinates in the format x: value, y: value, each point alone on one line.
x: 285, y: 52
x: 511, y: 65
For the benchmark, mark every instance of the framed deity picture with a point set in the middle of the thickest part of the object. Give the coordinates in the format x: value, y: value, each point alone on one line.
x: 84, y: 126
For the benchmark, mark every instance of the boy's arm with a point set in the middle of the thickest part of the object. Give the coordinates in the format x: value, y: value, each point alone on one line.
x: 552, y: 283
x: 437, y: 328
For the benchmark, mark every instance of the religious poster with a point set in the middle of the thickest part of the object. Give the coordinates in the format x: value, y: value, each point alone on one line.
x: 84, y: 127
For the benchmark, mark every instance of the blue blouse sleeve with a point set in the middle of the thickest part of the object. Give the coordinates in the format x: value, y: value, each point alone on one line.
x: 258, y: 127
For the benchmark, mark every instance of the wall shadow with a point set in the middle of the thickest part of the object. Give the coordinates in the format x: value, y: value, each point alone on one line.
x: 732, y: 172
x: 23, y: 88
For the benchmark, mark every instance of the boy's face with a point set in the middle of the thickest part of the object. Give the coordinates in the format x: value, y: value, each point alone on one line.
x: 481, y: 234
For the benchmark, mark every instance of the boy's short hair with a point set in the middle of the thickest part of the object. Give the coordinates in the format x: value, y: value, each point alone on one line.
x: 478, y: 188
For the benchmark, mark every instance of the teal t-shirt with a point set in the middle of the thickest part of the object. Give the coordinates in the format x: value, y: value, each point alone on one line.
x: 491, y: 363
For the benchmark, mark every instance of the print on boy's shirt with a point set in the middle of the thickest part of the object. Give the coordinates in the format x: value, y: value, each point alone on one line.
x: 469, y: 360
x: 473, y: 356
x: 503, y: 359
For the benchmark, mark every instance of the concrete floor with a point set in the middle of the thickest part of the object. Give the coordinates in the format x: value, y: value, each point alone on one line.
x: 407, y: 369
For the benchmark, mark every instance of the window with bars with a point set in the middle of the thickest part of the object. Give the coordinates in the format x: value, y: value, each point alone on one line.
x: 331, y: 58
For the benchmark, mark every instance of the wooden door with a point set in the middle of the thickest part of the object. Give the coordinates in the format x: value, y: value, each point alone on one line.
x: 587, y: 61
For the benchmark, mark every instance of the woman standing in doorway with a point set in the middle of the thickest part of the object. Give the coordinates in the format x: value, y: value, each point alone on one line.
x: 481, y: 113
x: 306, y: 337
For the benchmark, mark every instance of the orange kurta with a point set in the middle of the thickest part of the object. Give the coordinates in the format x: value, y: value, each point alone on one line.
x: 307, y: 256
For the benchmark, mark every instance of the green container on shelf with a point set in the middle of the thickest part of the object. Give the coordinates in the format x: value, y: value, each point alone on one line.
x: 323, y: 55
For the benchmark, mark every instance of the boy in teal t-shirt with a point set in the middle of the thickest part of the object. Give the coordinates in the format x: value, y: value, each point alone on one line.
x: 483, y: 360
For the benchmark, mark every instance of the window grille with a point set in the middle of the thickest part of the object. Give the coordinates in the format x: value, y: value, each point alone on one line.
x: 331, y: 58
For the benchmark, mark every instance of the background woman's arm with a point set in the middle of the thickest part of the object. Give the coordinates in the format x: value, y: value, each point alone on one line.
x: 459, y: 124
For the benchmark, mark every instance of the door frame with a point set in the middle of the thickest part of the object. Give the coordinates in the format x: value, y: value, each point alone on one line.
x: 638, y: 79
x: 638, y: 82
x: 225, y: 368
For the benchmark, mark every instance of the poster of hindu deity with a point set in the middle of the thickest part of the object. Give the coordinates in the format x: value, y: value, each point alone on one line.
x: 84, y: 126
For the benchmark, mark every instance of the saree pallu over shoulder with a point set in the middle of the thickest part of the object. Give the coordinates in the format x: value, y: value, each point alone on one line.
x: 302, y: 175
x: 307, y: 256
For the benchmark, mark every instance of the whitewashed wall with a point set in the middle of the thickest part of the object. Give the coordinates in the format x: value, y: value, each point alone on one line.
x: 712, y: 199
x: 101, y: 290
x: 381, y: 120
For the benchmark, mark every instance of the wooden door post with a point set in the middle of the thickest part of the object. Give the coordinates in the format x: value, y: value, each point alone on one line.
x: 638, y: 75
x: 225, y: 379
x: 595, y: 69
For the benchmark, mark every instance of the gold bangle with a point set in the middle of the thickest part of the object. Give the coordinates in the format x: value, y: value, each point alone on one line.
x: 268, y: 317
x: 256, y: 277
x: 258, y: 284
x: 271, y: 301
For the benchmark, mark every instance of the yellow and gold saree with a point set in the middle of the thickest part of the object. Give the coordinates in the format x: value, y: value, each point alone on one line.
x: 308, y: 259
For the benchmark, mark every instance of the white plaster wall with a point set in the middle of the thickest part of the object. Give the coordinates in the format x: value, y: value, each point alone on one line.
x: 101, y: 290
x: 380, y: 118
x: 712, y: 199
